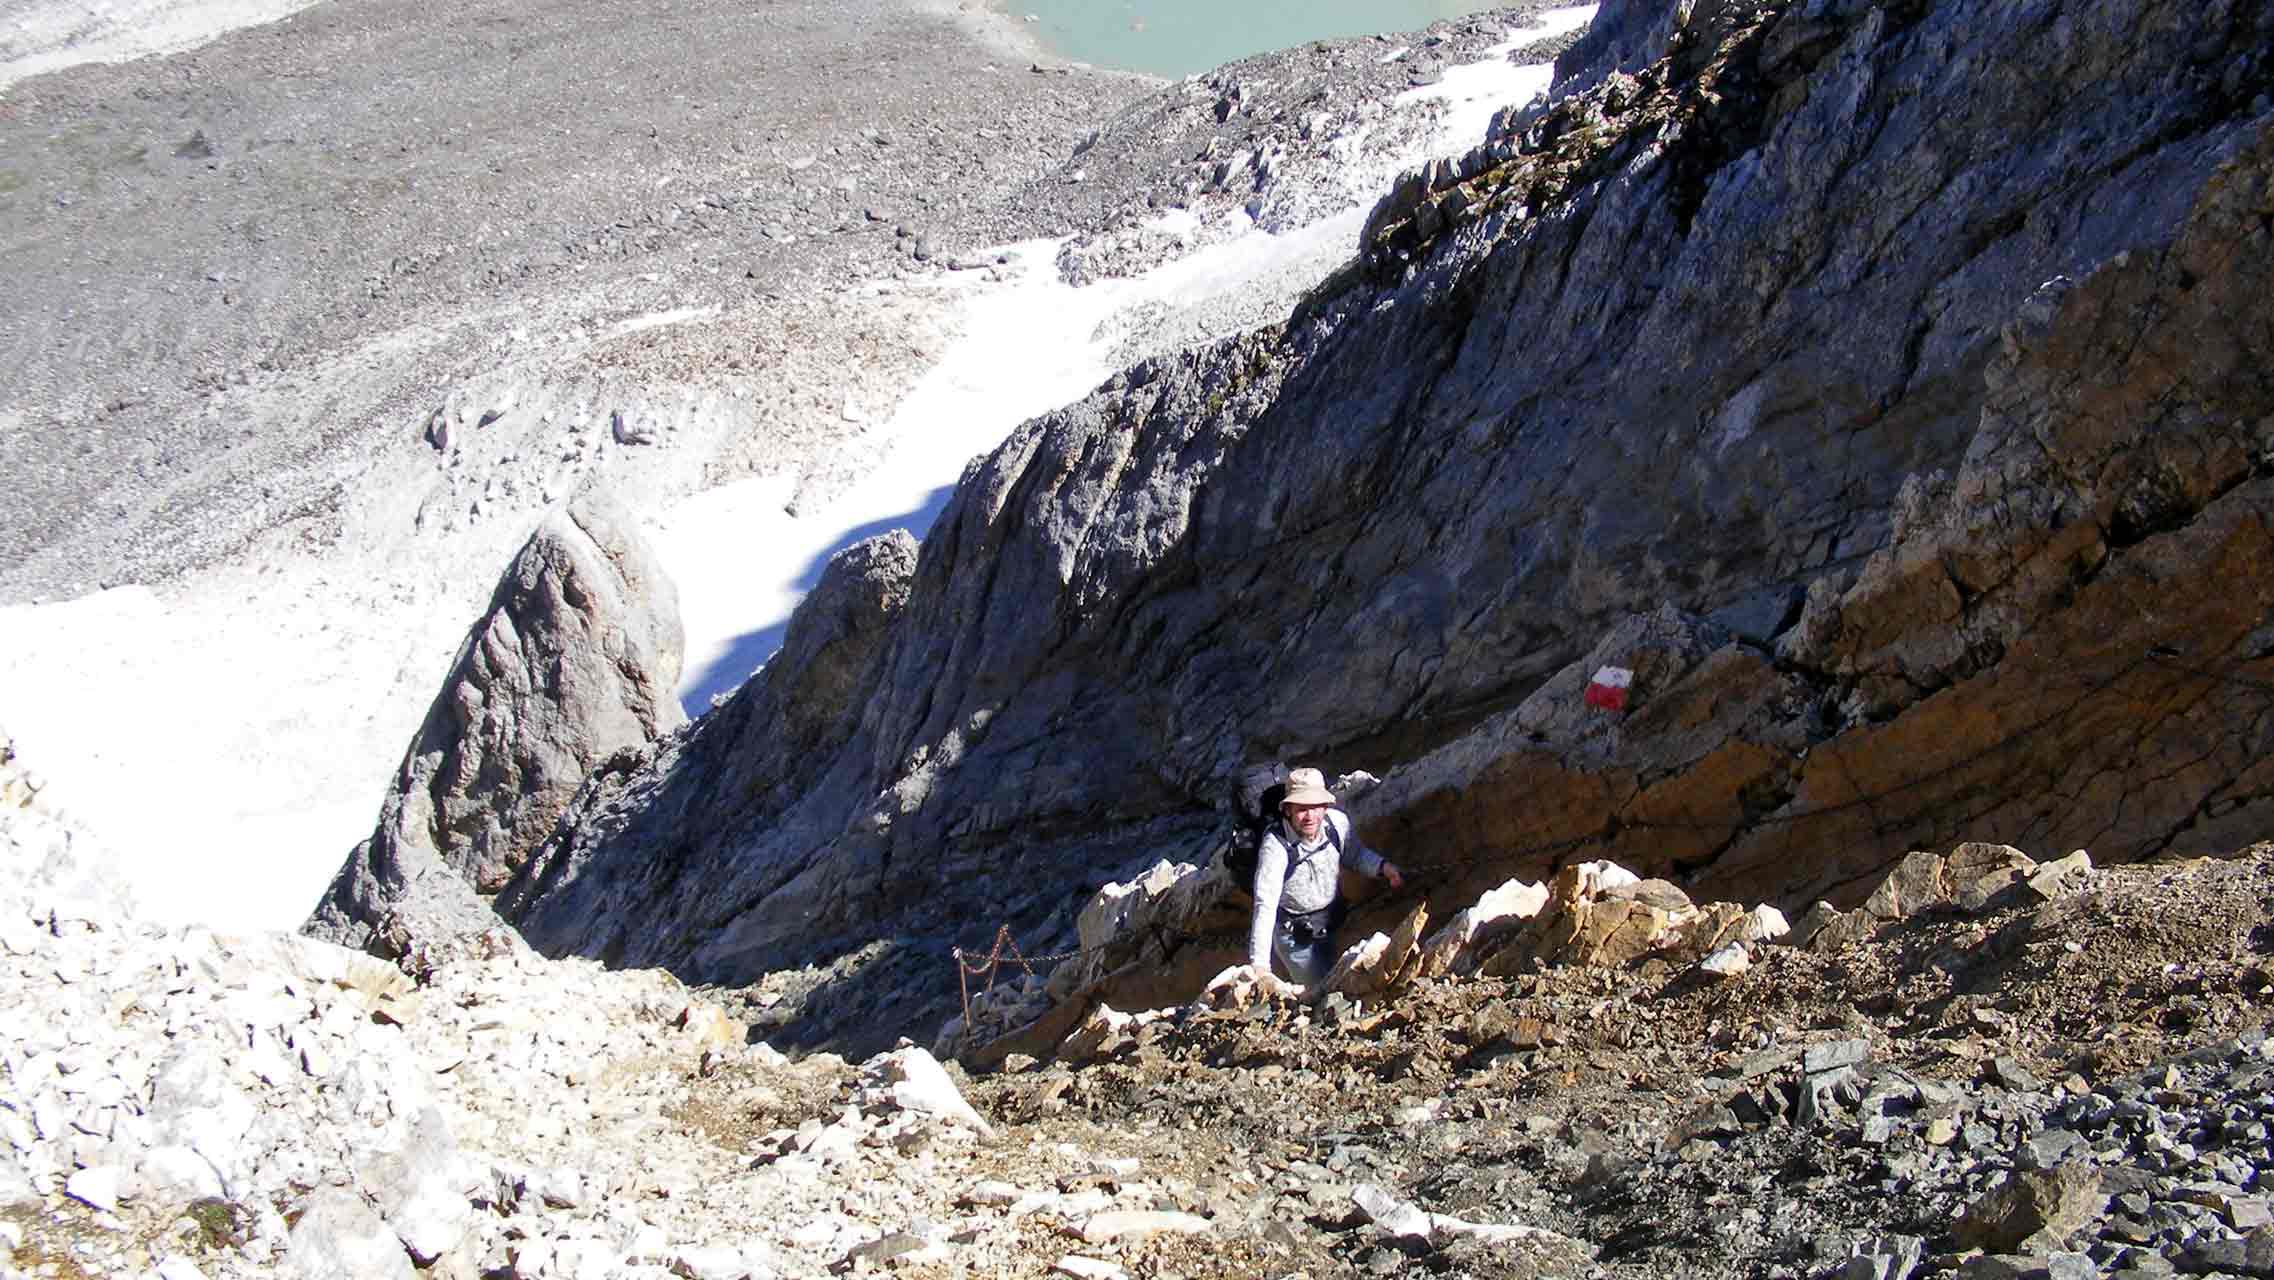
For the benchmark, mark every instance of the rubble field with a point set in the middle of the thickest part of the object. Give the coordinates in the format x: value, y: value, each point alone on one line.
x: 1834, y: 1102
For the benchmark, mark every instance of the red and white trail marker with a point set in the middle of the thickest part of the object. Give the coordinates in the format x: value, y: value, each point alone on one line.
x: 1608, y: 689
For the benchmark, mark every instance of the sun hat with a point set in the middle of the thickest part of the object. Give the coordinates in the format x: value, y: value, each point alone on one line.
x: 1307, y: 786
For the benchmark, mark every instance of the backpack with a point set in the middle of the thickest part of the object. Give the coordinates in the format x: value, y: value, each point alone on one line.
x: 1256, y: 794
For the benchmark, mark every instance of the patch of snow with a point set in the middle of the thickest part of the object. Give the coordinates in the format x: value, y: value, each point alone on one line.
x: 1029, y: 345
x: 1324, y: 244
x: 161, y: 726
x: 1473, y: 91
x: 742, y: 563
x: 659, y: 319
x: 49, y: 35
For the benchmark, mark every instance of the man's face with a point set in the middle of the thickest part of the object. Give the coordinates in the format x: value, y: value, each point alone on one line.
x: 1307, y: 819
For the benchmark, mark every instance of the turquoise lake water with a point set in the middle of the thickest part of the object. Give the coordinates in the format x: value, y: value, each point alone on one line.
x: 1179, y: 37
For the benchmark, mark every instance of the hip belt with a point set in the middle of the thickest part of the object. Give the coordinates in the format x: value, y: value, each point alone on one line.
x: 1313, y: 926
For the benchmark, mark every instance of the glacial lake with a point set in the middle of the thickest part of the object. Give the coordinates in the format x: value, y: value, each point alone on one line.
x: 1179, y: 37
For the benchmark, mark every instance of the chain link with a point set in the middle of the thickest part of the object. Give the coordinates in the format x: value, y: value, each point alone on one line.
x: 1004, y: 943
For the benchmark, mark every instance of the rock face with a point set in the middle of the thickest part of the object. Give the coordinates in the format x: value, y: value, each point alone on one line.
x: 574, y: 663
x: 1737, y: 369
x: 740, y: 774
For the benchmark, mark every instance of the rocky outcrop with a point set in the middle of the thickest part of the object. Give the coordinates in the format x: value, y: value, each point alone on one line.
x: 1971, y: 877
x: 742, y: 775
x: 1737, y: 373
x: 574, y: 663
x: 2063, y: 639
x: 1144, y: 937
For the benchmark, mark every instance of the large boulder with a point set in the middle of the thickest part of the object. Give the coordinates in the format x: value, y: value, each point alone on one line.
x: 574, y: 664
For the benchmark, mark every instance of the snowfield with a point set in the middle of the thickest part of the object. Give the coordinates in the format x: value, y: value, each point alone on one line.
x: 232, y: 731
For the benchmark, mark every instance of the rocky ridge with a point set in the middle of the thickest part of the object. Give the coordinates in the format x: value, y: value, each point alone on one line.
x: 325, y: 369
x: 1961, y: 530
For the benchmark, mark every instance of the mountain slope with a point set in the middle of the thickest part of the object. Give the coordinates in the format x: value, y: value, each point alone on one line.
x: 1706, y: 340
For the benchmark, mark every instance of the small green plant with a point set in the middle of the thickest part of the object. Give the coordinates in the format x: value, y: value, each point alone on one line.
x: 220, y: 1224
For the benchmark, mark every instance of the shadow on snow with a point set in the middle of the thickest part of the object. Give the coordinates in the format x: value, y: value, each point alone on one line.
x: 753, y: 649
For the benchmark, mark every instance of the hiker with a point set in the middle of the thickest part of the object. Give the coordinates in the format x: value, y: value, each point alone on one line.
x: 1298, y: 880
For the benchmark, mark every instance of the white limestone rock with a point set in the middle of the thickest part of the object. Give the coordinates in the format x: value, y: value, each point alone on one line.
x: 1764, y: 923
x: 1453, y: 949
x: 339, y: 1235
x: 1394, y: 1217
x: 1595, y: 879
x: 1729, y: 962
x: 16, y: 1184
x: 422, y: 1187
x: 709, y: 1262
x: 559, y: 1188
x: 99, y: 1188
x: 1114, y: 905
x: 992, y: 1193
x: 179, y: 1173
x: 914, y: 1081
x: 1139, y: 1224
x: 1403, y: 1220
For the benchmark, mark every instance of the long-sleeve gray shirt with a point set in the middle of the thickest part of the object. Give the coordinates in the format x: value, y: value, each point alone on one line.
x: 1301, y: 877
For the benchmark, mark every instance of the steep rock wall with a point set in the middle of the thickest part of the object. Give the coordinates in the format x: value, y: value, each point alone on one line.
x: 740, y: 779
x: 1702, y: 337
